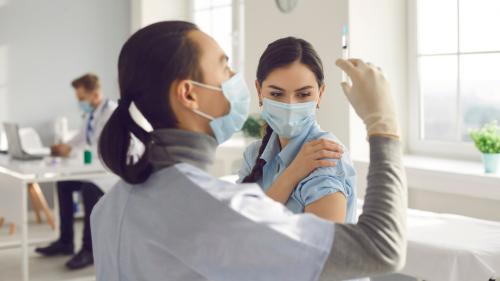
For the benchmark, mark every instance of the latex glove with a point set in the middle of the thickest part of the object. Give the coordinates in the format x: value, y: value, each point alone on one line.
x: 370, y: 97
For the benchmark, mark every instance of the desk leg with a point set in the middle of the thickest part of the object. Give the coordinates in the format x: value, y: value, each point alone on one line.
x: 55, y: 199
x: 24, y: 233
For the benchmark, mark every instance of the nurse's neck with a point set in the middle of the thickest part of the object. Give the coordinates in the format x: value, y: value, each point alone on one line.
x: 283, y: 142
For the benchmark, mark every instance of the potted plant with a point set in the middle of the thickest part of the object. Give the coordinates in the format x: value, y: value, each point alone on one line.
x: 487, y: 140
x: 253, y: 126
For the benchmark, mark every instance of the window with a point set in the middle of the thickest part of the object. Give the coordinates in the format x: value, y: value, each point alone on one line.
x: 454, y: 77
x: 222, y: 19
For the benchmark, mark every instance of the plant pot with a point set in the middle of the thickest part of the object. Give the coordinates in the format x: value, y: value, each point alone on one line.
x: 491, y: 162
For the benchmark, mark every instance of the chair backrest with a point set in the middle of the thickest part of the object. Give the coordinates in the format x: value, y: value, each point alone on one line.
x: 12, y: 132
x: 29, y: 138
x: 3, y: 140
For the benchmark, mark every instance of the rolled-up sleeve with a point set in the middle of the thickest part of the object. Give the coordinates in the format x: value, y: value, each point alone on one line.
x: 324, y: 181
x: 320, y: 186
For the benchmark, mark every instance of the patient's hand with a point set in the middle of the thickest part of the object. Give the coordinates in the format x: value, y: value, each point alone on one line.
x: 313, y: 155
x: 62, y: 150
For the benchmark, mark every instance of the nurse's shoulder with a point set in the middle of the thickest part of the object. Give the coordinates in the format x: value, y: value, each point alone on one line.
x: 221, y: 190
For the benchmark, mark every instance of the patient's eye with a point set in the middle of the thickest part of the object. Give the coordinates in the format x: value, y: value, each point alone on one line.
x: 304, y: 94
x: 276, y: 94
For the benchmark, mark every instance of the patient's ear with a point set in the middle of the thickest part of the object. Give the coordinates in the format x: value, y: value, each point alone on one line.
x: 321, y: 92
x: 258, y: 87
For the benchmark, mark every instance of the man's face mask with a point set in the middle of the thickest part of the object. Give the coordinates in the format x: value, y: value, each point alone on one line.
x: 85, y: 106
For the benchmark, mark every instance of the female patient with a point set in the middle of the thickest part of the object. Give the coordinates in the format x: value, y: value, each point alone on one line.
x: 289, y: 163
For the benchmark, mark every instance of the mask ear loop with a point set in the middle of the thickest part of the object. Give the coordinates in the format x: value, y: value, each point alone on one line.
x: 203, y: 114
x: 206, y: 86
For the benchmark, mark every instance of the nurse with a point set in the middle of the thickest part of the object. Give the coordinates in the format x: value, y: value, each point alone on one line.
x: 168, y: 219
x: 290, y: 85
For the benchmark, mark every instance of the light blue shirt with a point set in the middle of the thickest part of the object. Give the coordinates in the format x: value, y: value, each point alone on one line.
x: 321, y: 182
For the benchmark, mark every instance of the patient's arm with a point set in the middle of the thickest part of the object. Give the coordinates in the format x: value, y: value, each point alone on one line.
x: 283, y: 186
x: 331, y: 207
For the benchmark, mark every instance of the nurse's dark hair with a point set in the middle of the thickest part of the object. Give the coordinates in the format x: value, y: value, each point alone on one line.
x: 282, y: 53
x: 150, y: 60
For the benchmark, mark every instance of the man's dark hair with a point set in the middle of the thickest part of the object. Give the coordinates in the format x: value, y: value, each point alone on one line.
x: 89, y: 82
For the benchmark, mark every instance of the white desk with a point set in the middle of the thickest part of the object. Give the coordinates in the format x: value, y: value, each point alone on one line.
x: 448, y: 247
x: 15, y: 175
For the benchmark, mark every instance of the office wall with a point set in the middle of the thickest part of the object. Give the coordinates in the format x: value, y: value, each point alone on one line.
x: 320, y: 23
x: 378, y: 35
x: 145, y: 12
x: 44, y: 44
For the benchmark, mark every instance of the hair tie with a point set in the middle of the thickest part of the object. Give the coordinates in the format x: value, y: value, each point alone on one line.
x: 125, y: 102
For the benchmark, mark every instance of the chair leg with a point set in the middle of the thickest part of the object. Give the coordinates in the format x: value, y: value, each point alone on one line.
x: 12, y: 226
x: 43, y: 203
x: 35, y: 202
x: 12, y: 229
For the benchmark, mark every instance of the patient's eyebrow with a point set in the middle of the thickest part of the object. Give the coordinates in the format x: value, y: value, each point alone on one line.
x: 276, y: 88
x: 298, y: 90
x: 304, y: 88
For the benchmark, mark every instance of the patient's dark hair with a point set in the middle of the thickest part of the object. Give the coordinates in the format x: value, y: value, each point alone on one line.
x: 281, y: 53
x: 150, y: 60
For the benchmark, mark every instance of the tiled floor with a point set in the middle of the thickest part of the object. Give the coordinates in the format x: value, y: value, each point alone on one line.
x: 41, y: 268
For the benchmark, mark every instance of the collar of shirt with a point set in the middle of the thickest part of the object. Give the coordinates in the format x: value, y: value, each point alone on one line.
x: 99, y: 109
x: 287, y: 154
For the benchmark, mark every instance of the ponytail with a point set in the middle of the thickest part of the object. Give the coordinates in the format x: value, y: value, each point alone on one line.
x: 258, y: 167
x: 114, y: 145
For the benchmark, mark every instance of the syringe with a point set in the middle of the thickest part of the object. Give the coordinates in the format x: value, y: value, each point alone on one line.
x: 345, y: 48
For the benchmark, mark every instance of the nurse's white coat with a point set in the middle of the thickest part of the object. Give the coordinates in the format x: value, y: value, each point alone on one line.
x: 184, y: 224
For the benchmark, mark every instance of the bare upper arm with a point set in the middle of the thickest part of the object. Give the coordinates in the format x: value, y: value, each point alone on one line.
x: 331, y: 207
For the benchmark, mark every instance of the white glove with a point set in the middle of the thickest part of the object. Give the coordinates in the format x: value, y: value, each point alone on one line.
x: 370, y: 97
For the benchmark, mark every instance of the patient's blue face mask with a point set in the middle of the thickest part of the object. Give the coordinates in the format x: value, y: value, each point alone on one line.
x: 85, y: 106
x: 236, y: 92
x: 288, y: 119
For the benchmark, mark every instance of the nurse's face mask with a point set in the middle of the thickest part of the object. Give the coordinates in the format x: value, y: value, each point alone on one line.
x: 236, y: 92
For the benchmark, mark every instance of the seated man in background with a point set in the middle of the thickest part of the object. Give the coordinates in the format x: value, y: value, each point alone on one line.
x: 97, y: 111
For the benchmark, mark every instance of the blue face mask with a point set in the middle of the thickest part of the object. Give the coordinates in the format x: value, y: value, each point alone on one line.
x: 288, y: 120
x: 236, y: 92
x: 85, y: 106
